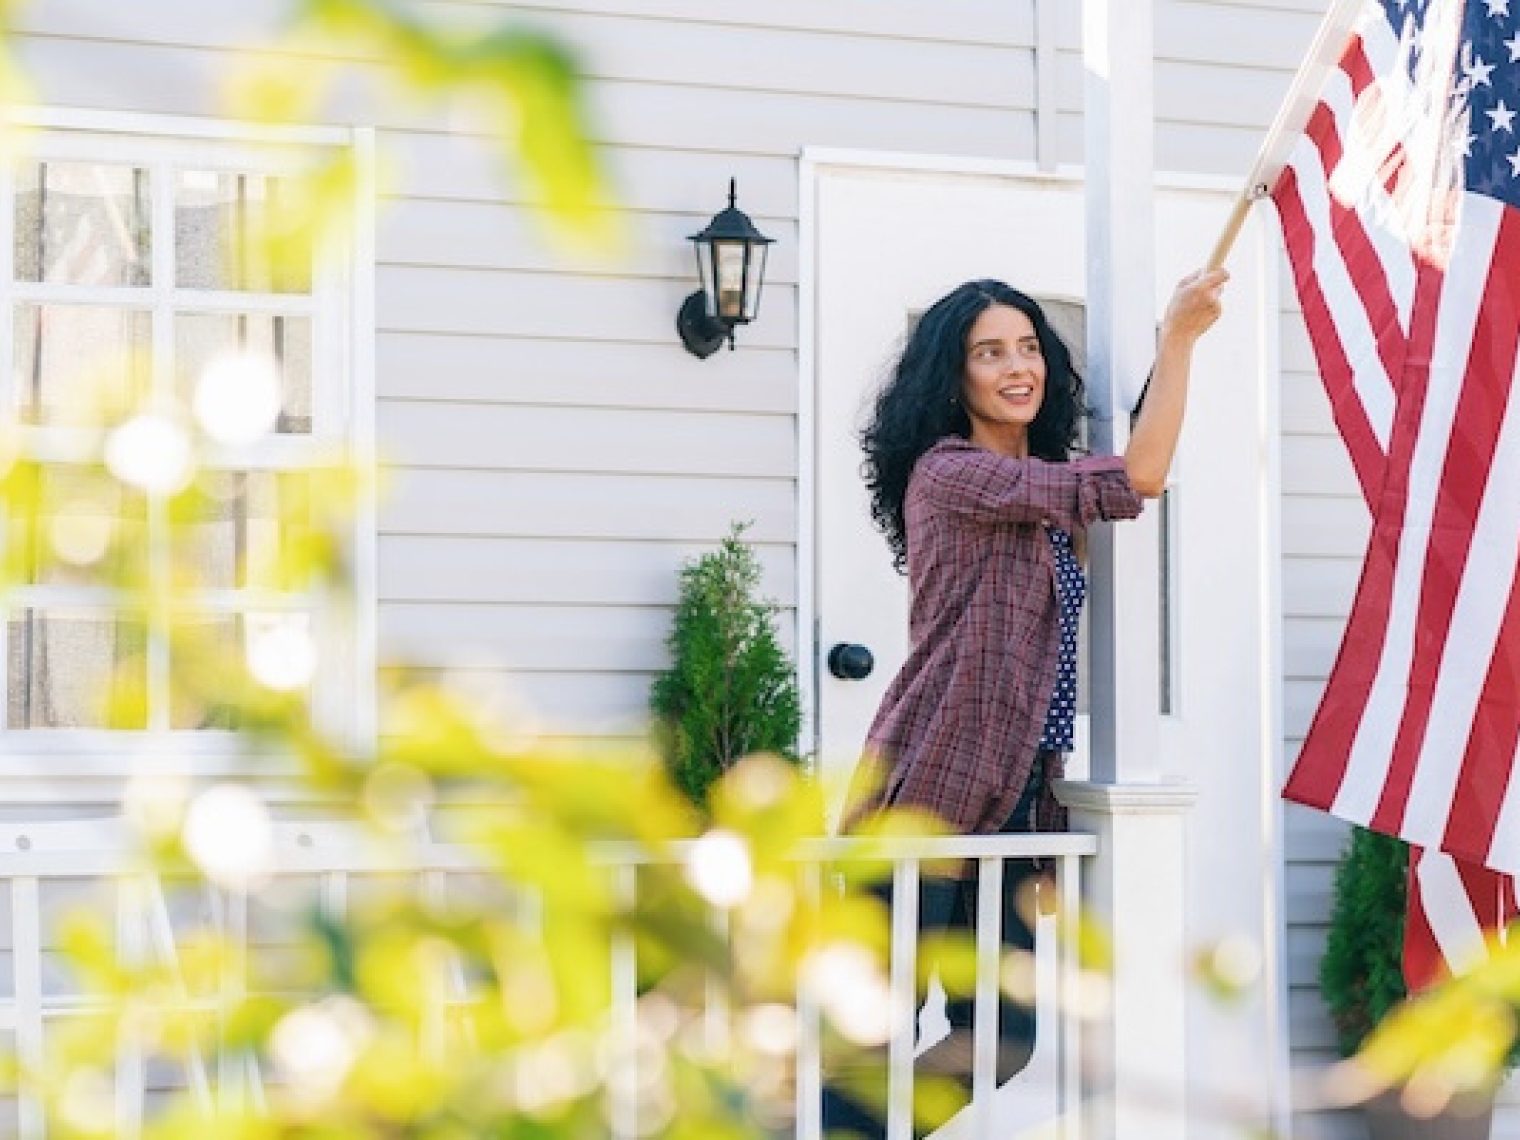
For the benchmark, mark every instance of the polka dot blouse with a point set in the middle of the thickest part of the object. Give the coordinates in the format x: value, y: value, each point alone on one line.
x: 1071, y: 588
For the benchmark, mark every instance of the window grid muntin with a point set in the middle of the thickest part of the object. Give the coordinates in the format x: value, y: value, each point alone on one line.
x: 159, y: 552
x: 322, y: 306
x: 187, y: 300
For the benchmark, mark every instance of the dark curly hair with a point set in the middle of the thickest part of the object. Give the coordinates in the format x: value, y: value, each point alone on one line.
x: 920, y: 402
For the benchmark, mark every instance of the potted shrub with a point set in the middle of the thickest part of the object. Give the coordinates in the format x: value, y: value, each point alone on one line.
x: 1361, y: 978
x: 730, y: 690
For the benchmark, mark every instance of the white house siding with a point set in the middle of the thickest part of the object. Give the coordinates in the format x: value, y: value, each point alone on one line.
x: 557, y: 454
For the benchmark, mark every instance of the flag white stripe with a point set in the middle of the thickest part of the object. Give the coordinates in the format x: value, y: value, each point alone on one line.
x: 1374, y: 206
x: 1448, y: 911
x: 1389, y: 234
x: 1462, y: 296
x: 1482, y: 601
x: 1506, y: 843
x: 1374, y: 389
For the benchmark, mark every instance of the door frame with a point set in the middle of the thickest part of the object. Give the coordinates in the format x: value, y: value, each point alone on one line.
x: 812, y: 163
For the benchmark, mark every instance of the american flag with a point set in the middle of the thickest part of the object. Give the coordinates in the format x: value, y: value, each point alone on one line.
x: 1401, y: 211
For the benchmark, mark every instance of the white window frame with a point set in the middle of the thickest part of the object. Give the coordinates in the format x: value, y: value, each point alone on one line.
x: 341, y: 308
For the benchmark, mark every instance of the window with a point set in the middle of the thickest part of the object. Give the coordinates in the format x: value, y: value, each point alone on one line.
x: 133, y: 265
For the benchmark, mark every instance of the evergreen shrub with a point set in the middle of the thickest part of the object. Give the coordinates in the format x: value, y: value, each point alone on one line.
x: 1361, y: 975
x: 730, y: 690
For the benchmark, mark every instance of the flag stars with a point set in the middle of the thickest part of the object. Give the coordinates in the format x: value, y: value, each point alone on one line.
x: 1502, y: 117
x: 1497, y: 8
x: 1477, y: 72
x: 1514, y: 48
x: 1514, y: 165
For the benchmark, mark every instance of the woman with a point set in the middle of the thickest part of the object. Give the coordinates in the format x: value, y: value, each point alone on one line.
x: 969, y: 467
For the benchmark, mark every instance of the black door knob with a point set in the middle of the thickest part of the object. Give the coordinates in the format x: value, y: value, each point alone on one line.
x: 850, y: 662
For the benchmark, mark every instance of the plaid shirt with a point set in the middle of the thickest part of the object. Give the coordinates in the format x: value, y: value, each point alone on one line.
x: 960, y: 724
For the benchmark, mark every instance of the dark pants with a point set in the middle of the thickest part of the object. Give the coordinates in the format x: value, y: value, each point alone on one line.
x: 855, y: 1101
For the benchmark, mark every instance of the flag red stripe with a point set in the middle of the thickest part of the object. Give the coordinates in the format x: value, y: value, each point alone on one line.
x: 1349, y: 412
x: 1482, y: 784
x: 1422, y: 960
x: 1393, y: 170
x: 1363, y: 265
x: 1357, y: 66
x: 1469, y: 457
x: 1488, y: 760
x: 1482, y: 885
x: 1322, y: 761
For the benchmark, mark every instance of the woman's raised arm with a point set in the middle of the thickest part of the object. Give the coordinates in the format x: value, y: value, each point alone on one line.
x: 1194, y: 307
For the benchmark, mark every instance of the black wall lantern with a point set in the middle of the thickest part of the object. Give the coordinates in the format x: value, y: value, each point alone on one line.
x: 731, y: 265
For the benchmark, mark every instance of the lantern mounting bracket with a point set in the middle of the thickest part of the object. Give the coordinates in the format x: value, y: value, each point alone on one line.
x: 700, y: 333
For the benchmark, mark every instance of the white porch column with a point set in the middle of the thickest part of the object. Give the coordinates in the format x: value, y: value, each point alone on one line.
x: 1135, y: 1058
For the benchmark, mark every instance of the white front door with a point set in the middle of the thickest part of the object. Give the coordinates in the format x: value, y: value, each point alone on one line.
x: 887, y: 244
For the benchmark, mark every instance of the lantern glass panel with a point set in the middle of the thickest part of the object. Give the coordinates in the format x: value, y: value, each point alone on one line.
x: 756, y: 274
x: 728, y: 259
x: 704, y: 272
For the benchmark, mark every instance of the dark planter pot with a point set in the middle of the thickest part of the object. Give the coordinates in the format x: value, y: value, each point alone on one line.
x: 1468, y: 1119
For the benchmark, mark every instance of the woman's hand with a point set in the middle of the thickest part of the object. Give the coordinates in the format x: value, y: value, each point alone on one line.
x: 1195, y: 305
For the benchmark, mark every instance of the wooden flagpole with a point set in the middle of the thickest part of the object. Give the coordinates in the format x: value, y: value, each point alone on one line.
x: 1292, y: 117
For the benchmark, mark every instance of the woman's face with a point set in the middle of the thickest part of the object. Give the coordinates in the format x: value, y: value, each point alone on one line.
x: 1004, y: 383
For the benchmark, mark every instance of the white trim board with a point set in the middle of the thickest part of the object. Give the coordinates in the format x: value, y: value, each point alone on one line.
x: 815, y: 158
x: 180, y: 126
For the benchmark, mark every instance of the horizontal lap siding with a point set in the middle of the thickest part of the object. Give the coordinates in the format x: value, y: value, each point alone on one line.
x: 553, y: 455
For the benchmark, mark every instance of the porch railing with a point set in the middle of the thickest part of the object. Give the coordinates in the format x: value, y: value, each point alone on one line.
x: 1049, y: 1091
x: 1046, y: 1095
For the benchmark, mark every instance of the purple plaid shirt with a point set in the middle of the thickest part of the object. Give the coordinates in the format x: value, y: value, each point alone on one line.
x: 960, y: 724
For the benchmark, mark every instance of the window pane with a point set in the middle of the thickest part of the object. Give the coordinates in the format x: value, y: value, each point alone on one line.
x: 228, y: 231
x: 200, y: 338
x: 281, y: 650
x: 82, y: 223
x: 205, y: 646
x: 85, y: 528
x: 75, y: 669
x: 1068, y: 319
x: 216, y: 656
x: 232, y: 539
x: 76, y: 364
